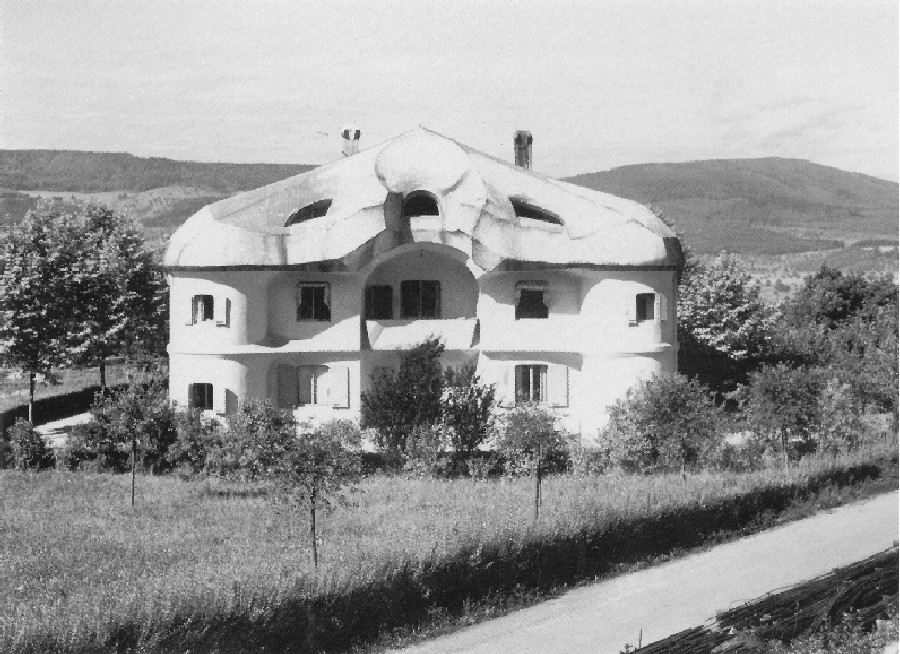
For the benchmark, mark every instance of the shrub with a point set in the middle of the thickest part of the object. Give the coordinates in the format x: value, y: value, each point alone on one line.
x: 397, y: 403
x: 466, y: 410
x: 29, y: 451
x: 254, y: 443
x: 667, y: 423
x: 196, y: 434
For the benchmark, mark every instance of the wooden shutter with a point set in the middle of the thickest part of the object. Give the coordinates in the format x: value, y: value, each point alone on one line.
x: 558, y: 384
x: 306, y: 383
x: 663, y: 308
x: 632, y: 309
x: 338, y: 385
x: 222, y: 309
x: 218, y: 398
x: 287, y: 386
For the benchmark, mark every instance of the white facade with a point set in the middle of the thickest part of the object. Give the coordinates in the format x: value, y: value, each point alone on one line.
x: 269, y: 296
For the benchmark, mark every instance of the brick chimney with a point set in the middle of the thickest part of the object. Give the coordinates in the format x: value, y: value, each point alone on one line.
x: 351, y: 141
x: 522, y: 143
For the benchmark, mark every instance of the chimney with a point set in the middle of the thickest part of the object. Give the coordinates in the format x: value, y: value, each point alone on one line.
x: 522, y: 143
x: 351, y: 141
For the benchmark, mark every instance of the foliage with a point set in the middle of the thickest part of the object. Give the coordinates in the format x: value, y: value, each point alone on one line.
x: 29, y: 451
x: 529, y: 434
x: 118, y: 293
x: 850, y: 636
x: 40, y: 269
x: 669, y: 422
x: 254, y: 442
x: 466, y: 410
x: 720, y: 308
x: 196, y: 435
x: 399, y: 402
x: 138, y: 412
x: 781, y: 405
x: 830, y: 298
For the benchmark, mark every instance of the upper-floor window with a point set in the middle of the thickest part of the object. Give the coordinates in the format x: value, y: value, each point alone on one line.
x: 379, y: 302
x: 420, y: 203
x: 525, y: 209
x: 315, y: 210
x: 530, y: 299
x: 200, y: 396
x: 202, y: 308
x: 313, y: 301
x: 420, y: 298
x: 648, y: 307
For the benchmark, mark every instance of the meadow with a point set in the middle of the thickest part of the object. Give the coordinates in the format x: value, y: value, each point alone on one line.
x: 209, y: 566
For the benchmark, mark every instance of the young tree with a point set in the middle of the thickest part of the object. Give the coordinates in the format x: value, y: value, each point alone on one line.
x: 466, y: 410
x: 411, y: 397
x: 40, y: 269
x: 319, y: 468
x: 668, y: 422
x: 119, y: 293
x: 529, y: 431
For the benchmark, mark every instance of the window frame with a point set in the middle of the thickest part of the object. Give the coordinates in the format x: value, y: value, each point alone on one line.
x: 532, y: 286
x: 645, y: 311
x: 208, y: 396
x: 531, y: 372
x: 371, y: 304
x: 414, y: 196
x: 417, y: 315
x: 199, y: 301
x: 326, y: 301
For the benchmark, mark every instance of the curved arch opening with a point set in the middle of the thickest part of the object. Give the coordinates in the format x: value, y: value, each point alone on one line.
x: 525, y: 209
x: 420, y: 203
x: 315, y: 210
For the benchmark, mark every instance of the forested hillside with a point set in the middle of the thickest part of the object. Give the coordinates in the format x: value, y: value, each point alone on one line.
x: 759, y: 206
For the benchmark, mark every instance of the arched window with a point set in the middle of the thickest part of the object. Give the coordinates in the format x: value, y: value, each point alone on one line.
x: 315, y: 210
x: 524, y: 209
x: 420, y: 203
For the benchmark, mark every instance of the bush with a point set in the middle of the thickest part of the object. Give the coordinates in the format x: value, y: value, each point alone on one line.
x: 466, y: 410
x: 528, y: 436
x: 196, y: 435
x: 29, y: 451
x: 667, y: 423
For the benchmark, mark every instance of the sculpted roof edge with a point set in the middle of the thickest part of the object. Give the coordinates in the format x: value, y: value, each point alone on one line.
x: 473, y: 193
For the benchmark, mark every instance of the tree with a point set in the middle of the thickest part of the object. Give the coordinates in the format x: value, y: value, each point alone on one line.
x: 720, y: 308
x: 831, y: 298
x: 398, y: 403
x: 466, y: 410
x: 529, y: 432
x: 40, y: 270
x: 119, y: 294
x: 317, y: 469
x: 667, y: 422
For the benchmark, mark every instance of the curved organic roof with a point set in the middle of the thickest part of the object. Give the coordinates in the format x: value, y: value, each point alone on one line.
x: 477, y: 217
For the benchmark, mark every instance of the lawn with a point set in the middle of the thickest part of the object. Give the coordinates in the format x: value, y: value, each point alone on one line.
x: 204, y: 565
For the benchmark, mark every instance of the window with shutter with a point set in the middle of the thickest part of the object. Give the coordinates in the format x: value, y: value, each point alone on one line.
x: 202, y: 308
x: 645, y: 304
x: 314, y: 301
x: 531, y: 383
x: 420, y: 298
x: 558, y: 384
x: 200, y: 396
x: 313, y: 385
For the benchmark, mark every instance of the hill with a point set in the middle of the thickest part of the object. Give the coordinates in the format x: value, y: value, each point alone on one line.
x: 93, y: 172
x: 759, y: 206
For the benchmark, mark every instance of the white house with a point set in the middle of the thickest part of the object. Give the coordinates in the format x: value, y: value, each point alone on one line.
x: 301, y: 290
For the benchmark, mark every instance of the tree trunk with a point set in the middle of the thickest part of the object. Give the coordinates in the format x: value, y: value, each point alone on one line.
x: 312, y: 530
x: 133, y: 464
x: 31, y: 397
x: 537, y: 485
x: 784, y: 455
x: 102, y: 374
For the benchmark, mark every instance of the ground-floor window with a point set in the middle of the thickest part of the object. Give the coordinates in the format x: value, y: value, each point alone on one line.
x: 531, y: 383
x: 313, y: 385
x: 200, y: 396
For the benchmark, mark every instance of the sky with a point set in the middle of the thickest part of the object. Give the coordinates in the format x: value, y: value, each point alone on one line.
x: 599, y: 84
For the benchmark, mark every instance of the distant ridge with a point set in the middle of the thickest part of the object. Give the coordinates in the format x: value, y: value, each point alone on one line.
x: 769, y: 205
x: 93, y: 172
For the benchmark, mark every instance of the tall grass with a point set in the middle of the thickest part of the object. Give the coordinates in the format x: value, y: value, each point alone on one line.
x: 206, y: 565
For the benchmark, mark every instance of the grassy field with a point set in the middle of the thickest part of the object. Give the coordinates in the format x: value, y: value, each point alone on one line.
x: 202, y: 566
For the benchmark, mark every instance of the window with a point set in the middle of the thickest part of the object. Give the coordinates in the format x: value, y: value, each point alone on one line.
x: 420, y: 203
x: 200, y: 396
x: 524, y: 209
x: 202, y: 308
x: 313, y: 385
x: 420, y: 298
x: 313, y: 301
x: 530, y: 301
x: 310, y: 211
x: 379, y: 302
x: 645, y: 305
x: 531, y: 383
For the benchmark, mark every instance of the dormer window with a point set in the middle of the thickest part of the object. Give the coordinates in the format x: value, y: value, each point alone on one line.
x: 530, y: 299
x: 525, y: 209
x: 314, y: 301
x: 315, y: 210
x: 420, y: 203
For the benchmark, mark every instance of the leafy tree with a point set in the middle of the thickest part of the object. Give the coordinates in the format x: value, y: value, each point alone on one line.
x: 782, y: 404
x: 29, y: 451
x: 401, y: 401
x: 720, y: 308
x: 318, y: 468
x: 830, y: 298
x: 668, y: 422
x: 118, y: 296
x: 529, y: 434
x: 466, y: 410
x: 40, y: 270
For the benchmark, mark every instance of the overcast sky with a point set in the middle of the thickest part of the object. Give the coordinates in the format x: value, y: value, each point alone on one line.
x: 599, y: 84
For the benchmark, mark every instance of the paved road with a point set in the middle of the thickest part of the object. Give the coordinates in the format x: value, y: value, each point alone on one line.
x: 669, y: 598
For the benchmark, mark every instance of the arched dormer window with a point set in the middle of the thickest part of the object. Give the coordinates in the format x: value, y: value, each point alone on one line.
x: 420, y: 203
x: 315, y: 210
x: 525, y: 209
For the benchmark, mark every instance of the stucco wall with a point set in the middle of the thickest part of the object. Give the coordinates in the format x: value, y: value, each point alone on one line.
x: 341, y: 332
